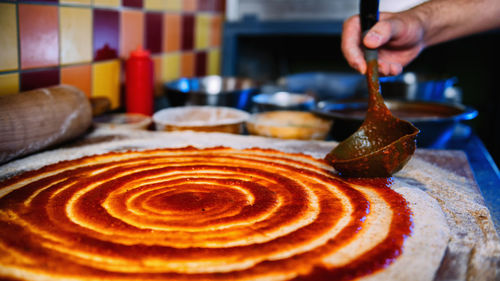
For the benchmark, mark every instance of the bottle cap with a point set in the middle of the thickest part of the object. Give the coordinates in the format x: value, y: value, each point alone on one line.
x: 140, y: 52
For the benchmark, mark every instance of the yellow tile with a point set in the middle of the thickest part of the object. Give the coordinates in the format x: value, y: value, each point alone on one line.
x: 171, y: 66
x: 8, y: 40
x: 106, y: 81
x: 213, y: 62
x: 173, y: 5
x: 78, y: 2
x: 202, y: 29
x: 9, y: 84
x: 75, y: 27
x: 107, y: 3
x: 154, y: 4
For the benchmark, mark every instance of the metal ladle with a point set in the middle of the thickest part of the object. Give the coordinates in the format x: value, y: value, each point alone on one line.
x: 383, y: 144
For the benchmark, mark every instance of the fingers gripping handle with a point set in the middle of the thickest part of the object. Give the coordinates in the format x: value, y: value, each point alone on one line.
x: 368, y: 13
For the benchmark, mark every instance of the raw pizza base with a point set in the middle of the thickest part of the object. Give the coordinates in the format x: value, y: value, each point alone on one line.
x: 423, y: 251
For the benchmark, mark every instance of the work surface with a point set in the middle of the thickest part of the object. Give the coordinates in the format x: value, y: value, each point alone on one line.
x: 473, y: 249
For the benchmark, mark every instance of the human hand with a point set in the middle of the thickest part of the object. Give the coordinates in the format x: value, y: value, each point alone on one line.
x: 399, y: 38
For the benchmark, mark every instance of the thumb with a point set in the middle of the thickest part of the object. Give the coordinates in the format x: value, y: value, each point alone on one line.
x: 381, y: 33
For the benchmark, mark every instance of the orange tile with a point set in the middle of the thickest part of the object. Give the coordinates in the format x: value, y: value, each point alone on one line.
x: 75, y: 27
x: 9, y: 84
x: 187, y: 64
x: 132, y: 32
x: 78, y: 76
x: 157, y: 63
x: 189, y: 5
x: 39, y: 34
x: 216, y: 31
x: 172, y: 32
x: 8, y: 40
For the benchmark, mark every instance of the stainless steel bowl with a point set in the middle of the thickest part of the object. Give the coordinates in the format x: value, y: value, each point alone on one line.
x: 436, y: 121
x: 283, y: 101
x: 211, y: 90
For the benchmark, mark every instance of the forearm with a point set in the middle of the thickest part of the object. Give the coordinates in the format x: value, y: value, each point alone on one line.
x: 449, y: 19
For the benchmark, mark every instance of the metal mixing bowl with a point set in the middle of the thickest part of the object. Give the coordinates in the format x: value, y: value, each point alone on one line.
x: 283, y: 101
x: 211, y: 90
x: 436, y: 121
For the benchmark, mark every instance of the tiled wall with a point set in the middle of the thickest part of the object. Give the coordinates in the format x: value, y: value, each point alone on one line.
x: 85, y: 42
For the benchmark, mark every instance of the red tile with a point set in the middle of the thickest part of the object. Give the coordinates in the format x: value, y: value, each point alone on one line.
x: 154, y: 32
x: 187, y: 32
x: 132, y: 3
x: 39, y: 35
x: 106, y: 34
x: 200, y: 68
x: 39, y: 79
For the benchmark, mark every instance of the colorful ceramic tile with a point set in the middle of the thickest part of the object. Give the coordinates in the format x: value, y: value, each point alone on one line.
x: 41, y: 1
x: 213, y: 62
x: 106, y: 34
x: 76, y: 2
x: 8, y: 40
x: 187, y: 64
x: 211, y: 5
x: 205, y: 5
x: 172, y: 32
x: 219, y: 6
x: 171, y: 66
x: 187, y: 32
x: 106, y: 3
x: 106, y: 81
x: 173, y: 5
x: 9, y: 84
x: 132, y: 3
x: 154, y: 32
x: 39, y: 35
x: 78, y: 76
x: 216, y: 31
x: 158, y: 5
x: 158, y: 84
x: 131, y: 31
x: 202, y: 29
x: 200, y: 68
x: 75, y: 27
x: 189, y: 5
x: 39, y: 79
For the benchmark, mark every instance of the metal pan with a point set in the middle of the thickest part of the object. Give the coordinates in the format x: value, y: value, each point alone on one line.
x: 436, y: 121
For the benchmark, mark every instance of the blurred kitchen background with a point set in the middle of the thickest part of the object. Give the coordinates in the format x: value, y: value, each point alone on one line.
x: 86, y: 42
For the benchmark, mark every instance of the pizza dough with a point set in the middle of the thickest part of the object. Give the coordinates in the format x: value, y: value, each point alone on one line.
x: 130, y: 225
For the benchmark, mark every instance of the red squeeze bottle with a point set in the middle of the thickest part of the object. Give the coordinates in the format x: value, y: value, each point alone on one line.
x: 139, y: 82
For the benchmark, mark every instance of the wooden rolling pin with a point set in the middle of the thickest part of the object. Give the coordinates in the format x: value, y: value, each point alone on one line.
x: 38, y: 119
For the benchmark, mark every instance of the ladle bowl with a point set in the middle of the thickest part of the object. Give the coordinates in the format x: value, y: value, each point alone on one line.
x: 382, y: 145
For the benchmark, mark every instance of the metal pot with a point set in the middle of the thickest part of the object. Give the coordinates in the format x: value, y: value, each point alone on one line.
x: 211, y: 90
x: 436, y: 121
